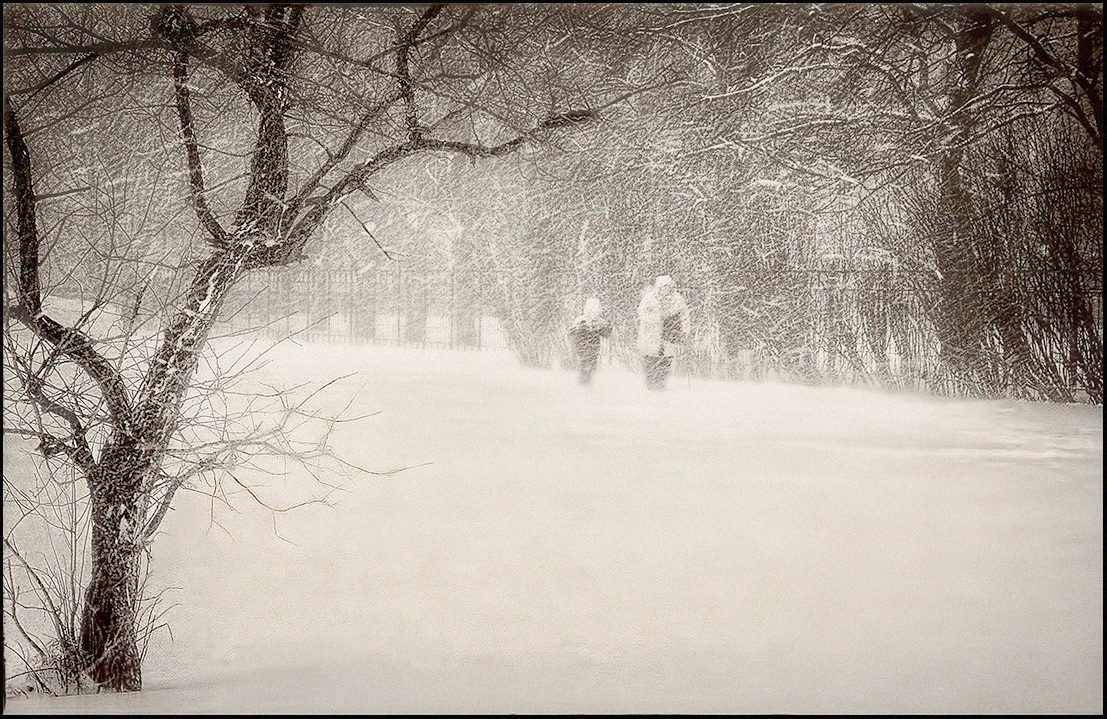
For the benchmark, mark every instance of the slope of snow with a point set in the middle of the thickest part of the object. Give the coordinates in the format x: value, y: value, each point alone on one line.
x: 719, y: 547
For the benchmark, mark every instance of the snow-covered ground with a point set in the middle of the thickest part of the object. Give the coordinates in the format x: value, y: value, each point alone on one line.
x: 719, y: 547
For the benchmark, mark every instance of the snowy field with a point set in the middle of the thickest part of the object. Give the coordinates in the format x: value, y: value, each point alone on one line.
x: 720, y: 547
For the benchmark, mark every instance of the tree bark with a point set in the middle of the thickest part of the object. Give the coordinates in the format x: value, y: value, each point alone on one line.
x: 119, y: 491
x: 109, y: 639
x: 109, y: 623
x: 465, y: 301
x: 961, y: 316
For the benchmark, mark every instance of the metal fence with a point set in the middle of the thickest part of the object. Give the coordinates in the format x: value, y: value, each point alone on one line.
x: 813, y: 325
x: 343, y: 306
x: 816, y: 326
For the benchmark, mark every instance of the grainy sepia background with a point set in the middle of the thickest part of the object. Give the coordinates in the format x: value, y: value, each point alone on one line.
x: 292, y: 413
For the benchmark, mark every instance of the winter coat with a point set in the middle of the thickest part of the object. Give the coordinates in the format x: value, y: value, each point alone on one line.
x: 662, y: 324
x: 586, y: 332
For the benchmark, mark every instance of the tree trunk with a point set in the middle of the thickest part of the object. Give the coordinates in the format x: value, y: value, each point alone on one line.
x: 465, y: 300
x: 961, y: 315
x: 415, y: 327
x: 109, y: 636
x: 109, y: 631
x: 117, y: 490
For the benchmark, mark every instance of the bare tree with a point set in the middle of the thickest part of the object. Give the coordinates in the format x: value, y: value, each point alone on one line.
x: 912, y: 102
x: 280, y: 113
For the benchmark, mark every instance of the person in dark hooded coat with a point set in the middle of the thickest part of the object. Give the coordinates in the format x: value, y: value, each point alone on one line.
x: 585, y: 333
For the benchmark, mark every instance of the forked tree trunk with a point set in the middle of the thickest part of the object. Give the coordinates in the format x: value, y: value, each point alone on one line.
x: 118, y: 492
x: 109, y: 625
x: 270, y: 229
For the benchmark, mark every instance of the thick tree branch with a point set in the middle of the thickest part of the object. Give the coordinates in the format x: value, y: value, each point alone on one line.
x: 403, y: 71
x: 266, y: 84
x: 1089, y: 68
x: 72, y: 343
x: 1077, y: 112
x: 162, y: 509
x: 172, y: 367
x: 307, y: 223
x: 101, y: 48
x: 34, y: 89
x: 79, y: 451
x: 1078, y: 76
x: 565, y: 119
x: 176, y: 30
x: 50, y: 445
x: 217, y: 235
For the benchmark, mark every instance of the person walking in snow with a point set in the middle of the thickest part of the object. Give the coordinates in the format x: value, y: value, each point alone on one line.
x: 662, y: 325
x: 585, y: 334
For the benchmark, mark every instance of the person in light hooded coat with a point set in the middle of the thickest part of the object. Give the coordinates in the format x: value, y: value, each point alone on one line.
x: 586, y: 332
x: 662, y: 325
